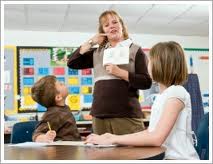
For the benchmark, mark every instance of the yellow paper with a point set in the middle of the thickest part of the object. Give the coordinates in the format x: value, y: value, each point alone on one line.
x: 28, y: 101
x: 73, y: 101
x: 73, y: 81
x: 27, y: 90
x: 84, y: 89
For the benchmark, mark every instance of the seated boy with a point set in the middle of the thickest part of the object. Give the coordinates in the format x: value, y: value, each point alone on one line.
x: 62, y: 126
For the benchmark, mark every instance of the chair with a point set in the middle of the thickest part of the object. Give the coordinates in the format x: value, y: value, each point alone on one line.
x: 202, y: 147
x: 22, y: 132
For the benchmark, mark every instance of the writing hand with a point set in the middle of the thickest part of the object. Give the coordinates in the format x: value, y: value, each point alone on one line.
x: 50, y: 136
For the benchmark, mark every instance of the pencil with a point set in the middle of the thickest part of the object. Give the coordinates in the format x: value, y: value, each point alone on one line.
x: 48, y: 125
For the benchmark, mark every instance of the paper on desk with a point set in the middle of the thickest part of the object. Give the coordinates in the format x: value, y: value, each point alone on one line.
x: 79, y: 143
x: 71, y: 143
x: 118, y: 55
x: 29, y: 144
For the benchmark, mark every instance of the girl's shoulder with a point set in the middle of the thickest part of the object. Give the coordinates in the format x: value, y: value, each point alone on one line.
x: 177, y: 91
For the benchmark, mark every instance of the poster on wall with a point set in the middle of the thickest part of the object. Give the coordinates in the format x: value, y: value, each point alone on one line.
x: 10, y: 80
x: 37, y: 62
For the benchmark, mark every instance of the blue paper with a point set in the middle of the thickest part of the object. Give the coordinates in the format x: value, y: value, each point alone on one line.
x: 43, y: 71
x: 28, y: 61
x: 86, y: 81
x: 72, y: 71
x: 88, y: 98
x: 62, y: 79
x: 74, y: 90
x: 28, y: 80
x: 41, y: 108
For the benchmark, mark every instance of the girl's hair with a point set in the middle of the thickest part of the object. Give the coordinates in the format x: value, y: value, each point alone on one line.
x: 103, y: 18
x: 168, y: 63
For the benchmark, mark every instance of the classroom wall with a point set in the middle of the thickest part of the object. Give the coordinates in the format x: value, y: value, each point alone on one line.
x: 72, y: 39
x: 64, y: 39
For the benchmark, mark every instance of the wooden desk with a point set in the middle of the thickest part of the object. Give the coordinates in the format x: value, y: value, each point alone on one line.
x: 82, y: 153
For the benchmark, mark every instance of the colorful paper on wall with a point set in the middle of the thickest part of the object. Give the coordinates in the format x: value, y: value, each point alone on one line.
x: 73, y: 102
x: 73, y: 81
x: 28, y: 71
x: 74, y: 90
x: 72, y: 71
x: 27, y: 90
x: 61, y: 79
x: 28, y: 101
x: 59, y: 55
x: 41, y: 108
x: 86, y: 81
x: 28, y: 61
x: 43, y: 71
x: 86, y: 71
x: 7, y: 87
x: 86, y: 89
x: 58, y: 71
x: 28, y: 80
x: 7, y: 76
x: 88, y: 98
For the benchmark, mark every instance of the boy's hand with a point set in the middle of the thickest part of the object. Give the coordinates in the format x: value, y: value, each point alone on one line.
x: 50, y: 136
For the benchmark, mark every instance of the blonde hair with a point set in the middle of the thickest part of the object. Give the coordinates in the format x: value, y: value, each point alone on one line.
x: 168, y: 63
x: 103, y: 18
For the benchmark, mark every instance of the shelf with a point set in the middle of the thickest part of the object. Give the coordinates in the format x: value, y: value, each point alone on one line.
x: 146, y: 110
x: 83, y: 122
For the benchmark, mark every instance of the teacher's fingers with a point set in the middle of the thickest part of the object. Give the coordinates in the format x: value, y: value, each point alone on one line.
x: 103, y: 34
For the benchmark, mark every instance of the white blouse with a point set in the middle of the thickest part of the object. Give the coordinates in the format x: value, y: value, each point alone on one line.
x: 179, y: 143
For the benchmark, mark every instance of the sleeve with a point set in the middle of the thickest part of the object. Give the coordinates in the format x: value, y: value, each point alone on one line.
x: 41, y: 128
x: 56, y: 121
x: 140, y: 79
x: 81, y: 61
x: 180, y: 93
x: 70, y: 129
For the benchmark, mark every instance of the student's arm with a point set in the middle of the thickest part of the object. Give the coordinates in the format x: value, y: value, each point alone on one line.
x: 155, y: 138
x: 42, y: 133
x: 48, y: 137
x: 146, y: 138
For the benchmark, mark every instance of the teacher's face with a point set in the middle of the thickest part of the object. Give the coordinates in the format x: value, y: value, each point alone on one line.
x: 113, y: 28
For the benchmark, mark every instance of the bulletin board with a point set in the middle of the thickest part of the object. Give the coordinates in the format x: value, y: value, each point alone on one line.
x: 37, y: 62
x: 10, y: 80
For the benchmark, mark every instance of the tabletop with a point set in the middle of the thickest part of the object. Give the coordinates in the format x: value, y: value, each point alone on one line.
x: 67, y: 152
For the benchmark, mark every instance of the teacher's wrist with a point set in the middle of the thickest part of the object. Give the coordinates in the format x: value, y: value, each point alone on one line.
x: 85, y: 47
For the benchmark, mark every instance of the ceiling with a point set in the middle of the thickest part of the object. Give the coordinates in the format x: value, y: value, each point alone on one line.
x: 163, y: 19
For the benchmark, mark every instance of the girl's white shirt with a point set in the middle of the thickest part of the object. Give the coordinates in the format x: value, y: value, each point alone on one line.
x: 179, y: 143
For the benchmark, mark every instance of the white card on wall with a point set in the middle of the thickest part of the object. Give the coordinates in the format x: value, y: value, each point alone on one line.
x: 7, y: 76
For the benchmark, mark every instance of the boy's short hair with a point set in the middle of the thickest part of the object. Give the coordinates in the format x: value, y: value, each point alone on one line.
x: 168, y: 63
x: 44, y: 91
